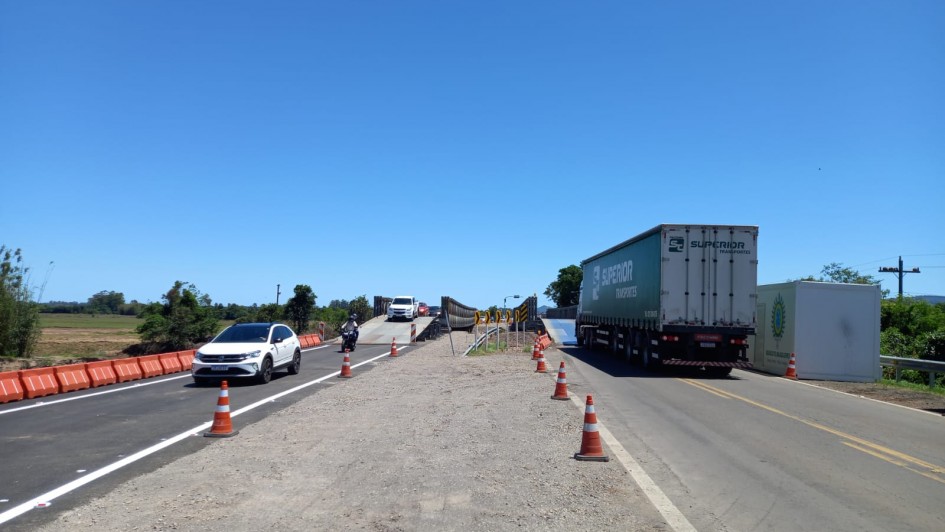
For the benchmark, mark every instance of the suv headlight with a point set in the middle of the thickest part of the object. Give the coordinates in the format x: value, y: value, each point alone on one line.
x: 251, y: 354
x: 199, y: 355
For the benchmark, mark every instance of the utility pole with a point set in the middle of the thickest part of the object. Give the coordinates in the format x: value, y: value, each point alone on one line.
x: 900, y: 273
x: 278, y: 292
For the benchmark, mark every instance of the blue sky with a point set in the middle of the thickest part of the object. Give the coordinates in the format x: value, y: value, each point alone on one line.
x: 469, y: 149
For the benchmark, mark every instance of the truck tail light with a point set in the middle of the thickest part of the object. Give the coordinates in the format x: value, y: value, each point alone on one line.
x: 739, y: 341
x: 669, y: 338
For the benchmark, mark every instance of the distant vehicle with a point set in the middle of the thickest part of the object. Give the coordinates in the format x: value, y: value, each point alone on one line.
x: 423, y: 309
x: 403, y: 308
x: 434, y: 311
x: 676, y: 295
x: 248, y: 351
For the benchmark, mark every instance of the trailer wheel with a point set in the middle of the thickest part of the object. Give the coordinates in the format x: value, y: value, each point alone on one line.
x: 589, y: 338
x: 627, y: 346
x: 648, y: 361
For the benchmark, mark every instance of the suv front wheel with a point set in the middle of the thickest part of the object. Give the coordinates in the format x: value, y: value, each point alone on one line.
x: 265, y: 371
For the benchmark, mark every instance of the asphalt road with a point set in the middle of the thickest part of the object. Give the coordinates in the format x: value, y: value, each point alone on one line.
x: 49, y: 442
x: 756, y: 452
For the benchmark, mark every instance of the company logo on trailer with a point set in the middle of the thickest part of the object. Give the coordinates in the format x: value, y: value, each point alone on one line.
x: 677, y: 244
x: 778, y: 317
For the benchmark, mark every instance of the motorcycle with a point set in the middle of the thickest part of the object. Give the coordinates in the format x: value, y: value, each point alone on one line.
x: 348, y: 340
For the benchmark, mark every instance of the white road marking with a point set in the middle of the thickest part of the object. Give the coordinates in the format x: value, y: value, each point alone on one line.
x: 46, y: 499
x: 660, y: 501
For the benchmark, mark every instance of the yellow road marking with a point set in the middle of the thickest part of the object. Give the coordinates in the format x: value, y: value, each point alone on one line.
x: 892, y: 456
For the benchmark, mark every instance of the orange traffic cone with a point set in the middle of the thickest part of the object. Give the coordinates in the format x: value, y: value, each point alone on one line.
x: 222, y: 426
x: 541, y: 368
x: 561, y: 388
x: 346, y: 367
x: 591, y: 449
x: 791, y: 369
x: 535, y: 354
x: 393, y: 347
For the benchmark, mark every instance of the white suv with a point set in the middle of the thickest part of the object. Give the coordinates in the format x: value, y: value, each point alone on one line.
x: 248, y: 350
x: 403, y: 308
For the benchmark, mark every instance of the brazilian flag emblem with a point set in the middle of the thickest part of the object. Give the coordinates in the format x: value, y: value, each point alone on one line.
x: 778, y: 317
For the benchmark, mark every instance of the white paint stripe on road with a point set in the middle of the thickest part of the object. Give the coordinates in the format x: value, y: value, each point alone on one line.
x: 660, y: 501
x: 49, y: 496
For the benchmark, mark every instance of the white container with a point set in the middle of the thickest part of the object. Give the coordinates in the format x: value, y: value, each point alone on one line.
x: 832, y: 329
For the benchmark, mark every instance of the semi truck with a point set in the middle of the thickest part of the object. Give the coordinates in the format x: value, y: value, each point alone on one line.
x: 676, y: 295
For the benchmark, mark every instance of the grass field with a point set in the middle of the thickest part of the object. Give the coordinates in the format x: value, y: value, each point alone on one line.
x: 88, y: 321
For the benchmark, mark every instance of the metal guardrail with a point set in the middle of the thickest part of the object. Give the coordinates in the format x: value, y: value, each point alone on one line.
x: 899, y: 363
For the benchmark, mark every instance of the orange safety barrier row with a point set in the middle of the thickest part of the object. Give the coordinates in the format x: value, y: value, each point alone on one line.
x: 545, y: 341
x: 101, y: 373
x: 10, y: 387
x: 38, y: 382
x: 72, y: 377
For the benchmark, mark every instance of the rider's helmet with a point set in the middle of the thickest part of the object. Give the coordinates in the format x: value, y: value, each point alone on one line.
x: 353, y: 317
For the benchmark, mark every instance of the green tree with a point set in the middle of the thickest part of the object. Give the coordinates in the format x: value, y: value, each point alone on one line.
x: 333, y: 317
x: 300, y: 307
x: 106, y: 302
x: 185, y: 318
x: 835, y: 272
x: 269, y: 313
x: 19, y: 314
x: 564, y: 290
x: 360, y: 306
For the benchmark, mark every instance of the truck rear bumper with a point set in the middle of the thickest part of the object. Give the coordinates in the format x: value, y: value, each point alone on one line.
x: 708, y: 364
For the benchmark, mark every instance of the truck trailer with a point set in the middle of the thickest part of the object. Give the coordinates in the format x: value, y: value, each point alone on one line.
x: 676, y: 295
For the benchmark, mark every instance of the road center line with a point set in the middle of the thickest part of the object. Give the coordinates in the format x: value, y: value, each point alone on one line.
x: 931, y: 470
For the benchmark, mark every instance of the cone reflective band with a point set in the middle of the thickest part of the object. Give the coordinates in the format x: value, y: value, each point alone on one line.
x: 541, y: 367
x: 222, y: 425
x: 535, y: 354
x: 591, y: 449
x: 561, y: 386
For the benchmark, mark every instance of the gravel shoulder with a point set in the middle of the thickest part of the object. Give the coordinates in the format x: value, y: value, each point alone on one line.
x: 427, y: 441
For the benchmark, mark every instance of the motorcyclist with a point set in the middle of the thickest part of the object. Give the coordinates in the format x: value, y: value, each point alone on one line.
x: 351, y: 326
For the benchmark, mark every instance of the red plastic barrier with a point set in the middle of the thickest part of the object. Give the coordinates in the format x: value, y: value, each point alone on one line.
x: 11, y: 389
x: 186, y: 359
x: 316, y: 341
x: 72, y: 377
x: 150, y: 366
x: 127, y: 369
x: 169, y: 362
x: 38, y: 382
x: 101, y: 373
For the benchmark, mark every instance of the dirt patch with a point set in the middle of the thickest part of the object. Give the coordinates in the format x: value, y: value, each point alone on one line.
x: 890, y: 394
x: 59, y: 346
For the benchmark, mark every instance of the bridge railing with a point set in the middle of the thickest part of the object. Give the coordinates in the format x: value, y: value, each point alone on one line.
x: 933, y: 367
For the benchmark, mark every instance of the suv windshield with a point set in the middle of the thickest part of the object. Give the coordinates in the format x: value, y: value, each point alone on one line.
x: 244, y: 333
x: 402, y: 301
